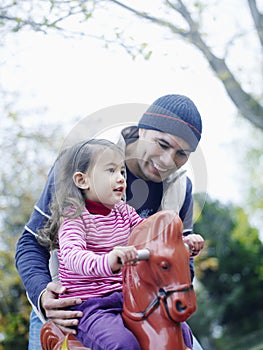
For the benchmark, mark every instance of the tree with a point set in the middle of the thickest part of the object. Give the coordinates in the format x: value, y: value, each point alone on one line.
x: 231, y: 272
x: 186, y: 20
x: 27, y: 154
x: 14, y: 316
x: 193, y: 14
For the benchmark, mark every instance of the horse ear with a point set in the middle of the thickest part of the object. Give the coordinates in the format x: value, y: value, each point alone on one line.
x: 81, y: 180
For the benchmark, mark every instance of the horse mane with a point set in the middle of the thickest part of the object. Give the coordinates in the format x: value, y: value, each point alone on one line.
x: 155, y: 228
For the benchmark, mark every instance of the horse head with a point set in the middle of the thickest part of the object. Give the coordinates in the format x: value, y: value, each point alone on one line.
x: 162, y: 284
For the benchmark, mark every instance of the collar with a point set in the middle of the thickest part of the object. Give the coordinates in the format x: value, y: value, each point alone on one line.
x: 97, y: 208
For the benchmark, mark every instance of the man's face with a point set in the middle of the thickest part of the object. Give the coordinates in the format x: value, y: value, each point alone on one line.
x: 160, y: 154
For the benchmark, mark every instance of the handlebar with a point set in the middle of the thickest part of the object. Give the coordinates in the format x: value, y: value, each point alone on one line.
x: 143, y: 254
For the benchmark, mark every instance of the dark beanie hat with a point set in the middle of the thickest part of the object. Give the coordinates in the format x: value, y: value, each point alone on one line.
x: 176, y: 115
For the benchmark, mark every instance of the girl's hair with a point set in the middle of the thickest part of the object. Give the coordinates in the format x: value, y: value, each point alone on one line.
x: 68, y: 201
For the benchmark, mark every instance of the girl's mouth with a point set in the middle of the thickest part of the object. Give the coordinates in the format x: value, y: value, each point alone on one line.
x: 119, y: 189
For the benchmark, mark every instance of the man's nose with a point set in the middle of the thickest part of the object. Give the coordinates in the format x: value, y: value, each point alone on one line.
x: 168, y: 159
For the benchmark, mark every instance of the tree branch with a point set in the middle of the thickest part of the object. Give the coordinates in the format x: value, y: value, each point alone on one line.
x: 249, y: 107
x: 257, y: 18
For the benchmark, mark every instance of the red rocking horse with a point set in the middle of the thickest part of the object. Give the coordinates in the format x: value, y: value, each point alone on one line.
x: 158, y: 293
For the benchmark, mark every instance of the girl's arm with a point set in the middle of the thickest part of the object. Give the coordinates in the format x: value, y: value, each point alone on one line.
x: 75, y: 256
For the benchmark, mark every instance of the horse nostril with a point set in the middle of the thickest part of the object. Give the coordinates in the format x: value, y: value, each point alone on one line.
x: 180, y: 307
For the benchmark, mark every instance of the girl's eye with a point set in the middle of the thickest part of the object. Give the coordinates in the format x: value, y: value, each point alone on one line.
x: 123, y: 173
x: 111, y: 170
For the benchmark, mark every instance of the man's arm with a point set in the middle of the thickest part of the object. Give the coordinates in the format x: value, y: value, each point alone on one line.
x: 32, y: 264
x: 186, y: 215
x: 186, y: 212
x: 32, y: 259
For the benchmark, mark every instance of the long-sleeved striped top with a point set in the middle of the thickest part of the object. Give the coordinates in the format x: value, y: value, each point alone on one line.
x: 84, y: 246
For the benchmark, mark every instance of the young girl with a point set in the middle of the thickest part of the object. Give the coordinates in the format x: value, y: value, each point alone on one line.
x: 91, y: 225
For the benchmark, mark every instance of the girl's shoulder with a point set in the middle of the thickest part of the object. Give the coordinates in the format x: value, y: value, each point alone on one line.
x: 124, y: 209
x: 123, y: 206
x: 127, y: 212
x: 74, y: 215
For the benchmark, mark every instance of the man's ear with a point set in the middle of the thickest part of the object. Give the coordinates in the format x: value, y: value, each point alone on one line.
x: 141, y: 132
x: 81, y: 180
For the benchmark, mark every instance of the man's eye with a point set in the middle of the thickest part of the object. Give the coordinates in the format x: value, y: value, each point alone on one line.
x: 163, y: 145
x: 182, y: 154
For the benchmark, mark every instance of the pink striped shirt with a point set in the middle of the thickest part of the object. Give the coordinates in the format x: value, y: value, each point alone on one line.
x: 84, y: 246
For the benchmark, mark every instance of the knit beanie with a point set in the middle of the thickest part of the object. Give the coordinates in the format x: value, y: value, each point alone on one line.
x: 176, y: 115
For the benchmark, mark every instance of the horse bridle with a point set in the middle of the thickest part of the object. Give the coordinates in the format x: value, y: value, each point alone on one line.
x: 161, y: 296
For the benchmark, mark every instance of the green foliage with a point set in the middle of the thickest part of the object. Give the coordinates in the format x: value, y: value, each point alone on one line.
x: 250, y: 157
x: 14, y: 307
x: 230, y: 272
x: 42, y: 15
x: 27, y: 154
x: 252, y: 341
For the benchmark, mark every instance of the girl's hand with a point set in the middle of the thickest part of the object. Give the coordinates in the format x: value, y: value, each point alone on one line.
x: 122, y: 256
x: 195, y: 243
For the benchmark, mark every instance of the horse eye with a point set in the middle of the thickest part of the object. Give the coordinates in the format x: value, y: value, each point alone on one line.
x: 164, y: 265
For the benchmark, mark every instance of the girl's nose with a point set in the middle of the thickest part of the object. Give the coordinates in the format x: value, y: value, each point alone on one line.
x: 120, y: 178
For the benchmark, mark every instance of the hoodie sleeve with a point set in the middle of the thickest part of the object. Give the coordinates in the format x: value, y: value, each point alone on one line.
x: 32, y: 259
x: 186, y: 212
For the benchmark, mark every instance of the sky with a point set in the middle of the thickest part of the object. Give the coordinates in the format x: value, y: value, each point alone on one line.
x: 74, y: 78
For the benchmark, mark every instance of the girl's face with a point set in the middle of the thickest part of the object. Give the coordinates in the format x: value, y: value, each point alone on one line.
x: 106, y: 178
x: 160, y: 154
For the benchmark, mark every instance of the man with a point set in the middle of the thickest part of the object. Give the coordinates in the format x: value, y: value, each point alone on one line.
x: 167, y: 133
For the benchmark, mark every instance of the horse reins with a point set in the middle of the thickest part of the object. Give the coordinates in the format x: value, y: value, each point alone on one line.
x: 161, y: 296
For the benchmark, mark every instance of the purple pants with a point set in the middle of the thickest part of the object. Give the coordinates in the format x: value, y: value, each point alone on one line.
x: 102, y: 327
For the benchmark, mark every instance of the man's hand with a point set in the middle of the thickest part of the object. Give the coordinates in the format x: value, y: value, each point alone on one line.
x: 54, y: 308
x: 195, y: 243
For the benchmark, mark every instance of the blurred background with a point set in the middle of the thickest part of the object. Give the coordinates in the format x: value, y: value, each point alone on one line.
x: 61, y: 61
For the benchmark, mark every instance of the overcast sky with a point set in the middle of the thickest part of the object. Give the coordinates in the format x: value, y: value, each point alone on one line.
x: 77, y: 77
